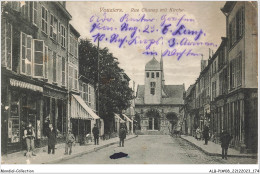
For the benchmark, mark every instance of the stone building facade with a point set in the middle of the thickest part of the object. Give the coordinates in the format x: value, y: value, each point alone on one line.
x: 157, y: 105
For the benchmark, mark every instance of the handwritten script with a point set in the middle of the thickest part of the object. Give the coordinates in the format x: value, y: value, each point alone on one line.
x: 175, y: 31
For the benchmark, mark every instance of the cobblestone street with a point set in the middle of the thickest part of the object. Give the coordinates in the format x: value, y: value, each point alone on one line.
x: 155, y: 150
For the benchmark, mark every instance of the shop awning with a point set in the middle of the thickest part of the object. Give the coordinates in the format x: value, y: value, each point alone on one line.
x: 80, y: 110
x: 127, y: 118
x: 20, y: 84
x: 119, y: 118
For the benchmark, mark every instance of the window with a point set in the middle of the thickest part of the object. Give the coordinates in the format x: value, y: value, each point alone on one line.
x: 236, y: 27
x: 44, y: 20
x: 25, y: 10
x: 53, y: 28
x: 63, y: 36
x: 75, y: 79
x: 80, y: 89
x: 16, y: 5
x: 85, y: 92
x: 213, y: 90
x: 157, y: 74
x: 70, y: 77
x: 7, y: 45
x: 38, y: 58
x: 46, y: 62
x: 239, y: 70
x: 54, y: 66
x: 26, y: 54
x: 147, y: 74
x: 63, y: 71
x: 152, y: 74
x: 232, y: 74
x: 71, y: 44
x: 89, y: 95
x: 152, y: 85
x: 35, y: 11
x: 239, y: 23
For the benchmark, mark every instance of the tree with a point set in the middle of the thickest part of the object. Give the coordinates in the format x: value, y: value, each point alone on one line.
x: 114, y: 92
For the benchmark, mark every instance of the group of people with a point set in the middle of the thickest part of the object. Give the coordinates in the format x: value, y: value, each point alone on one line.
x: 51, y: 133
x: 205, y: 134
x: 122, y: 135
x: 224, y: 138
x: 29, y: 136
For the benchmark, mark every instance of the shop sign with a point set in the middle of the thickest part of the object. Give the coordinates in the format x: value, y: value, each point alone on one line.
x: 17, y: 83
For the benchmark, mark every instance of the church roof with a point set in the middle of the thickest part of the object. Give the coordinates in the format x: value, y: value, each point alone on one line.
x: 153, y: 65
x: 173, y: 94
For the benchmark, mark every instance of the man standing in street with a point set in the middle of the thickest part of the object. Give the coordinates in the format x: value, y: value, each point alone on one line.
x: 122, y: 136
x: 225, y: 139
x: 51, y: 139
x: 95, y: 132
x: 29, y: 136
x: 206, y: 134
x: 70, y: 139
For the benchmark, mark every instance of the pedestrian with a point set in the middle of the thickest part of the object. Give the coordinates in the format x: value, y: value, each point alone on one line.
x: 51, y: 139
x: 70, y: 139
x: 29, y: 136
x: 95, y: 132
x: 206, y: 134
x: 225, y: 139
x: 122, y: 136
x: 214, y: 137
x: 198, y: 133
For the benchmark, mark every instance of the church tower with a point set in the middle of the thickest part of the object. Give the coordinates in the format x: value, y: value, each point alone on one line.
x: 153, y: 82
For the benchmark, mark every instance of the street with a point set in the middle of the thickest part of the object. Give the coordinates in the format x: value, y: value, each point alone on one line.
x: 155, y: 149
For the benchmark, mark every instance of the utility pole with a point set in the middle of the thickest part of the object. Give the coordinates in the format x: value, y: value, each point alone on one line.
x: 98, y: 78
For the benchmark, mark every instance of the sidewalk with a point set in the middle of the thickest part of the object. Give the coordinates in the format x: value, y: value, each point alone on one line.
x: 213, y: 149
x: 45, y: 158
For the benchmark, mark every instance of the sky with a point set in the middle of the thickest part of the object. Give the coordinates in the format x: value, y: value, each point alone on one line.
x: 196, y: 16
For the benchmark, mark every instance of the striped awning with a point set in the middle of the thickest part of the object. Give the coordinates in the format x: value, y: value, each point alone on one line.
x: 127, y: 118
x: 20, y: 84
x: 117, y: 117
x: 80, y: 110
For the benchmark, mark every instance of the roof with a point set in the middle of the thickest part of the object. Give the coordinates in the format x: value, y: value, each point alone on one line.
x: 174, y: 91
x: 153, y: 65
x: 228, y: 6
x: 74, y: 31
x: 174, y: 94
x: 140, y: 91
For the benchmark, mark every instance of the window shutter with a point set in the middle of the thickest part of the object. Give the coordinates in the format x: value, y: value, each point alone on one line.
x: 28, y: 60
x: 23, y: 52
x: 38, y: 58
x: 50, y: 76
x: 46, y: 59
x: 35, y: 11
x: 63, y: 69
x: 54, y: 64
x: 3, y: 25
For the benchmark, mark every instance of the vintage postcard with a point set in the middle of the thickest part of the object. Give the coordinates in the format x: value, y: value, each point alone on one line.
x: 137, y: 82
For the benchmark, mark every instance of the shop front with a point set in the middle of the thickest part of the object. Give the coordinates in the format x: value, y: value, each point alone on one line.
x: 21, y: 104
x: 54, y: 112
x: 82, y: 119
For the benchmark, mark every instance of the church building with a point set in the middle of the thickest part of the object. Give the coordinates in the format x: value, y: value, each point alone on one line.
x: 158, y: 106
